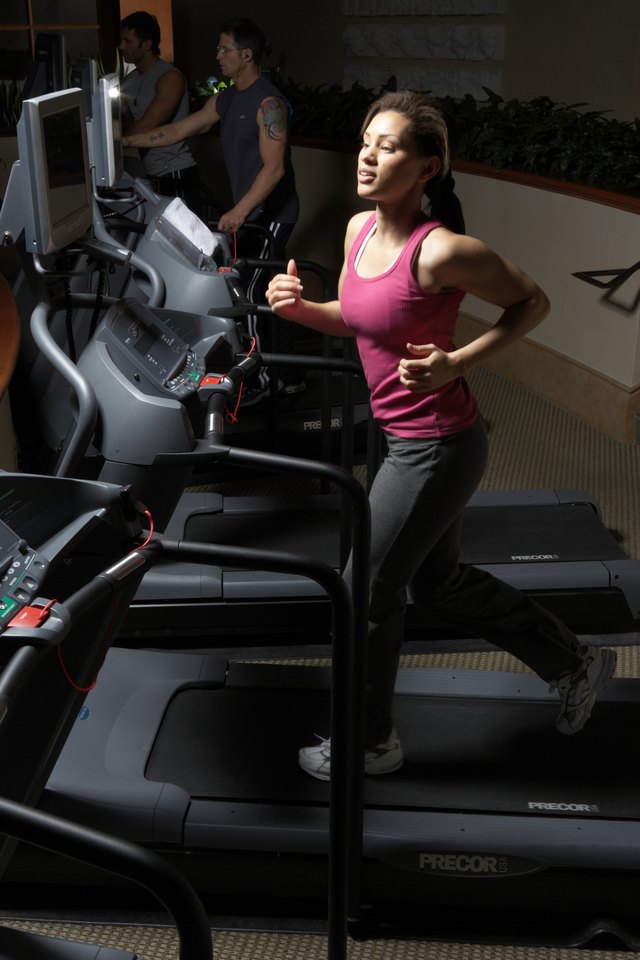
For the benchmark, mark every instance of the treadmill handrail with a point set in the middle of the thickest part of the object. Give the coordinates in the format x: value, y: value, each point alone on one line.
x: 277, y: 561
x: 217, y: 395
x: 334, y: 364
x: 87, y: 406
x: 106, y: 248
x: 257, y: 263
x: 121, y: 858
x: 348, y: 665
x: 347, y: 710
x: 345, y: 809
x: 99, y: 849
x: 32, y: 642
x: 110, y: 247
x: 349, y: 660
x: 87, y: 416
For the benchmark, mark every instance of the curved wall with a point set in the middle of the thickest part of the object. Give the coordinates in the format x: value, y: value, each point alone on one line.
x: 553, y: 236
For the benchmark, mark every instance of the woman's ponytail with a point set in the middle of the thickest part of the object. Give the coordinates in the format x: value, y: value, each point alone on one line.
x: 445, y: 205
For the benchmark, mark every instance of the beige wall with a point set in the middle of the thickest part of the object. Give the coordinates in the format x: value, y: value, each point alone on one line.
x: 585, y: 357
x: 575, y: 51
x: 553, y: 236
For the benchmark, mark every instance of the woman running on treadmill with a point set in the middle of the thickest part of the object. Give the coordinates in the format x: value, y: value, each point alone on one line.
x: 405, y: 274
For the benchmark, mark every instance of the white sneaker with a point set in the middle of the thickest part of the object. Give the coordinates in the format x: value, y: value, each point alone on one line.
x: 578, y: 691
x: 383, y: 758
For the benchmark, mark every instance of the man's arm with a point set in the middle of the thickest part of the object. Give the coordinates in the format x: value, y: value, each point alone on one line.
x: 170, y: 89
x: 196, y: 123
x: 272, y: 131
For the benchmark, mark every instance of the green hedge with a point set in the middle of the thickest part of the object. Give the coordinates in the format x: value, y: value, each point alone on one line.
x: 567, y: 142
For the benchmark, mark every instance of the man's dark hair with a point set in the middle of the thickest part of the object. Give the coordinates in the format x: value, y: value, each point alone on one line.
x: 247, y: 35
x: 145, y: 26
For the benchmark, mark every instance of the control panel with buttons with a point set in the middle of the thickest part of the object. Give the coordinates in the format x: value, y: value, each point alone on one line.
x: 22, y: 572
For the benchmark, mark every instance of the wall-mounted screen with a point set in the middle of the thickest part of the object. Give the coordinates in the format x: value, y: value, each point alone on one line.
x: 54, y: 170
x: 107, y: 157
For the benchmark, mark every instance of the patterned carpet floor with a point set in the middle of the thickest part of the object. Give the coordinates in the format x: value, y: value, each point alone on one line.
x: 158, y: 943
x: 534, y: 444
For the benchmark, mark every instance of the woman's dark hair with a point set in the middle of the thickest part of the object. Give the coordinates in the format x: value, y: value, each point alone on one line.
x: 428, y: 130
x: 145, y: 26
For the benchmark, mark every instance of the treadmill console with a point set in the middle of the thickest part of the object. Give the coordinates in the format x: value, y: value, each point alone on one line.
x: 22, y: 571
x: 151, y: 350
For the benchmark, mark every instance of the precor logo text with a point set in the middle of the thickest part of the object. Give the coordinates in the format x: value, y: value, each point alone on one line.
x: 462, y: 863
x: 535, y: 556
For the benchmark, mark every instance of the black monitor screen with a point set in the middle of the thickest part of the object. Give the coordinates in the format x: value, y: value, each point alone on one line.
x: 65, y: 161
x: 55, y: 177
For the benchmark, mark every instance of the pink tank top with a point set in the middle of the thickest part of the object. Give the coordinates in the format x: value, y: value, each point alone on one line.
x: 387, y: 312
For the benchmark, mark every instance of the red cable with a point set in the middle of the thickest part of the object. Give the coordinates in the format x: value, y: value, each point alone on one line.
x: 231, y: 416
x: 107, y: 642
x: 147, y: 514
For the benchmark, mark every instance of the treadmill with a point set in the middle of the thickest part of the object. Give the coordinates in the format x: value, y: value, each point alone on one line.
x: 496, y: 821
x: 212, y: 284
x: 87, y: 622
x: 551, y: 543
x: 67, y: 571
x: 497, y: 827
x: 164, y: 267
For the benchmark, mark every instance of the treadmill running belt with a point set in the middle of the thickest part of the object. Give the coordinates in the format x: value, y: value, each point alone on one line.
x: 308, y: 533
x: 568, y: 532
x: 500, y: 534
x: 461, y: 753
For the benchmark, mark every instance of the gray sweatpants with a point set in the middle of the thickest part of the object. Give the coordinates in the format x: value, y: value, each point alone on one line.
x: 417, y: 500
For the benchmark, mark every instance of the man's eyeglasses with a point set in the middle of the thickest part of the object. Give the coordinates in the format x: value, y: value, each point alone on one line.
x: 226, y: 50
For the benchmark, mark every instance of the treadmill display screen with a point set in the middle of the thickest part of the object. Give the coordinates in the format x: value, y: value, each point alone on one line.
x: 163, y: 350
x: 8, y: 541
x: 141, y: 334
x: 25, y: 514
x: 143, y: 341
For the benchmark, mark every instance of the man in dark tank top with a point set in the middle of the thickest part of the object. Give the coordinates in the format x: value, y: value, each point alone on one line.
x: 254, y: 119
